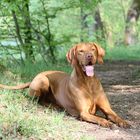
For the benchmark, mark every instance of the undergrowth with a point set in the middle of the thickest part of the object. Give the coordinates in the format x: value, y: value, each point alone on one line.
x: 123, y: 53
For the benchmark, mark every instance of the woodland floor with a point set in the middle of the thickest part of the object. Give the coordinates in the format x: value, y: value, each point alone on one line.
x: 121, y: 83
x: 122, y: 86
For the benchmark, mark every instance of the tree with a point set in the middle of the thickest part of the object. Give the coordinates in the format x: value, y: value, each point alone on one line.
x: 21, y: 17
x: 132, y: 17
x: 28, y: 48
x: 26, y: 29
x: 98, y: 26
x: 91, y: 23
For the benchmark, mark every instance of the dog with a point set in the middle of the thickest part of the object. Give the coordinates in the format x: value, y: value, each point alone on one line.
x: 79, y: 93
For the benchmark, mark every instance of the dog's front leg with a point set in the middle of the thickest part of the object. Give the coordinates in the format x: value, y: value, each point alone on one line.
x: 104, y: 105
x: 95, y: 119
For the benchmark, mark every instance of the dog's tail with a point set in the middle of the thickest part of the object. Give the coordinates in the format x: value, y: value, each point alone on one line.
x: 22, y: 86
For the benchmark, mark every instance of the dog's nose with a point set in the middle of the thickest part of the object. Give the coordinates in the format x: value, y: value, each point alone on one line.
x: 89, y: 56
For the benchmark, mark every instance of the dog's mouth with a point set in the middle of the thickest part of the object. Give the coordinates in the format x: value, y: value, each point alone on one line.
x: 89, y: 69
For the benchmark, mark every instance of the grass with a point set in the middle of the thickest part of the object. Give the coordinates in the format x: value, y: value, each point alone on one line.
x: 123, y: 53
x: 23, y: 118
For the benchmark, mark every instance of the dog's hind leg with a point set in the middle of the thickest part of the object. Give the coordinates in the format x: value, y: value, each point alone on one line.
x: 39, y: 86
x: 40, y: 89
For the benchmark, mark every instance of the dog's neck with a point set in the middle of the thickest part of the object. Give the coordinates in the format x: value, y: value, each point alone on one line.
x: 80, y: 79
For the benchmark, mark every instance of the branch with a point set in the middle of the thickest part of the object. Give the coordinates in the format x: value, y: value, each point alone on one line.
x: 9, y: 53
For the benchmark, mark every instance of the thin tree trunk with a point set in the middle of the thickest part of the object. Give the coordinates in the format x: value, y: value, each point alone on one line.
x: 102, y: 31
x: 98, y: 26
x: 26, y: 44
x: 84, y: 25
x: 49, y: 37
x: 28, y: 34
x: 17, y: 28
x: 18, y: 33
x: 132, y: 18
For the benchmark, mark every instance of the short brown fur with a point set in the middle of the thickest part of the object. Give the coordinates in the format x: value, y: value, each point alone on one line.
x: 78, y: 93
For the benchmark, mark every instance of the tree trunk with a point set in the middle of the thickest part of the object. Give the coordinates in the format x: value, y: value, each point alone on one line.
x: 26, y: 40
x: 17, y: 28
x: 27, y: 32
x: 18, y: 33
x: 49, y: 36
x: 102, y: 32
x: 95, y: 27
x: 98, y: 26
x: 84, y: 25
x: 132, y: 18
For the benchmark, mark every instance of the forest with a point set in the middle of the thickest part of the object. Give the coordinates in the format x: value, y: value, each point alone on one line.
x: 35, y: 36
x: 34, y: 30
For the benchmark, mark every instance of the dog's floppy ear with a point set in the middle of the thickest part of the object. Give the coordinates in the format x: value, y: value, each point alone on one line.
x: 100, y: 53
x: 71, y: 55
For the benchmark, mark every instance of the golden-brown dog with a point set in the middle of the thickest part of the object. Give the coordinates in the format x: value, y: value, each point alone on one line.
x: 80, y: 93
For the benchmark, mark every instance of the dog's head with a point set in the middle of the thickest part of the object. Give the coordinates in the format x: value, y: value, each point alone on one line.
x: 85, y: 55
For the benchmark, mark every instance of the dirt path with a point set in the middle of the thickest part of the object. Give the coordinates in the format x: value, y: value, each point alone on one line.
x: 122, y: 85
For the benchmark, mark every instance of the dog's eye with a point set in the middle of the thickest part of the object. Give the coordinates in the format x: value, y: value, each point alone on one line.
x: 93, y: 49
x: 81, y: 51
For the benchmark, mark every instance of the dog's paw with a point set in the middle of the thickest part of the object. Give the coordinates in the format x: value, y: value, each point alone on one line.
x: 123, y: 124
x: 106, y: 123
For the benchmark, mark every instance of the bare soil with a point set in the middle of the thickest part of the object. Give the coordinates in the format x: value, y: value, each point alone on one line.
x: 121, y: 83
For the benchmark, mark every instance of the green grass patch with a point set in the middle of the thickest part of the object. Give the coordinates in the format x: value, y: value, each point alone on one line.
x: 26, y: 72
x: 22, y: 118
x: 123, y: 53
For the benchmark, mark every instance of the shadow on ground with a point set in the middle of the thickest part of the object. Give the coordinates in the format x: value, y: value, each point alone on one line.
x: 121, y: 82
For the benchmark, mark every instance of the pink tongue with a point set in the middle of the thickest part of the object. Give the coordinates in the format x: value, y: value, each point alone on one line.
x: 89, y: 70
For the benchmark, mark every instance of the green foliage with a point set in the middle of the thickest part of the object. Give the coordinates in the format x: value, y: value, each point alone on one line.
x: 123, y: 53
x: 31, y: 69
x: 114, y: 16
x: 56, y: 25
